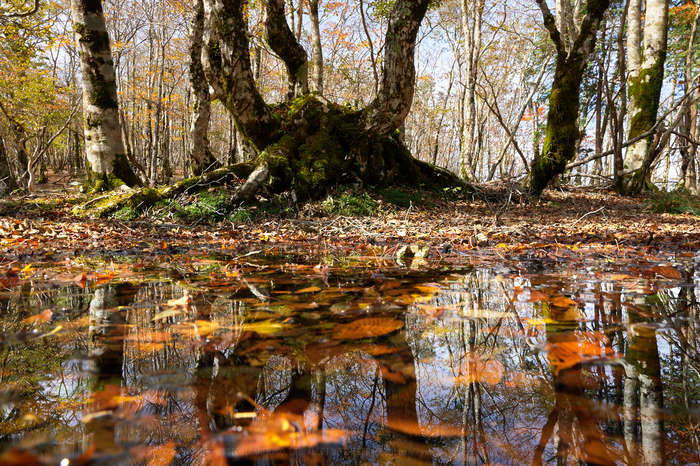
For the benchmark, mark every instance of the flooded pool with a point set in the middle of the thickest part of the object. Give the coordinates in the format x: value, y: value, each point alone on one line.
x: 349, y: 360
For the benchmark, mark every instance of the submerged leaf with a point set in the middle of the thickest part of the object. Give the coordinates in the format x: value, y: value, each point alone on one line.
x: 367, y: 328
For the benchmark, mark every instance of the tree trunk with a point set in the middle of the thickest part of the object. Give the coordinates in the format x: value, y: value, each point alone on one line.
x: 7, y: 178
x: 282, y: 41
x: 644, y: 90
x: 562, y: 131
x: 108, y: 165
x: 317, y: 51
x: 691, y: 129
x: 309, y: 144
x: 472, y: 16
x: 201, y: 158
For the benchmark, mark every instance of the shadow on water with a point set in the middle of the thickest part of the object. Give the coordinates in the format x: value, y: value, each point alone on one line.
x: 285, y: 360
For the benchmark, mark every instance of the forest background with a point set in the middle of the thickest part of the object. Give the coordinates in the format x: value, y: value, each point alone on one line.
x: 484, y: 73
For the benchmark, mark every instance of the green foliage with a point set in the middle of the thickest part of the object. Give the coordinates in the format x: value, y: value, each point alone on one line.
x: 351, y: 204
x: 400, y: 198
x: 674, y: 202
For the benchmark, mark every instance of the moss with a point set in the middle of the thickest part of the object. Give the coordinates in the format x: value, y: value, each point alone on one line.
x: 562, y: 130
x: 320, y: 165
x: 351, y: 203
x: 645, y: 90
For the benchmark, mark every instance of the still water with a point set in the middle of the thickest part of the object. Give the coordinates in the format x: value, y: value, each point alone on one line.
x: 293, y: 359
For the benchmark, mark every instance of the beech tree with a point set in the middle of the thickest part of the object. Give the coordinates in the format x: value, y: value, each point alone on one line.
x: 646, y: 78
x: 574, y: 40
x: 108, y: 166
x: 308, y: 143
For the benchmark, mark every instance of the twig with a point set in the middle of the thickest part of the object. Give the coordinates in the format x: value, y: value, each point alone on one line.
x: 586, y: 215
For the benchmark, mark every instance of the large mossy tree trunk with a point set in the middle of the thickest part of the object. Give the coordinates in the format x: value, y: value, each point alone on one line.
x: 562, y: 131
x: 108, y: 166
x: 309, y: 144
x: 644, y: 89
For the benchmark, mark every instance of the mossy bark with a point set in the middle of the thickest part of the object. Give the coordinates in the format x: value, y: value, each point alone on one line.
x: 644, y: 89
x: 108, y: 165
x: 562, y: 131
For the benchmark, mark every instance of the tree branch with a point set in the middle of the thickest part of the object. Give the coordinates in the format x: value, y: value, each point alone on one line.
x: 282, y: 40
x: 24, y: 14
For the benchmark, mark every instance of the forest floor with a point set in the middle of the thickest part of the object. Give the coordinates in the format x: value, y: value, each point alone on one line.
x: 564, y: 224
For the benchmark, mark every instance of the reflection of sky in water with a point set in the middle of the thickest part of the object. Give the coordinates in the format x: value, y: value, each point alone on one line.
x: 454, y: 322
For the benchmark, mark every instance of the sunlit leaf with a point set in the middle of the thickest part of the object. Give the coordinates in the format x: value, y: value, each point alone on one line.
x: 567, y: 354
x: 311, y: 289
x: 162, y: 455
x: 44, y: 316
x: 367, y: 328
x: 184, y: 301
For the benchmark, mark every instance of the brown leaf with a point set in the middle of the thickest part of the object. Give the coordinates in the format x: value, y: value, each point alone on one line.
x: 367, y: 328
x: 666, y: 272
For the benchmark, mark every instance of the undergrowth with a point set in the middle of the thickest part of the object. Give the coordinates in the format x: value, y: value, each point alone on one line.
x: 675, y: 202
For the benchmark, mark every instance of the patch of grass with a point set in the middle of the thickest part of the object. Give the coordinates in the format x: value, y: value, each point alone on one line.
x: 350, y: 204
x: 674, y: 202
x: 401, y: 198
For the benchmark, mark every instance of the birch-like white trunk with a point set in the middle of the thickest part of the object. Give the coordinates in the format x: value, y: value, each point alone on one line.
x: 103, y: 141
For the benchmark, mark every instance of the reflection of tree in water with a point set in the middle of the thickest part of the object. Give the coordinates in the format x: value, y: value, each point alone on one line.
x: 575, y: 401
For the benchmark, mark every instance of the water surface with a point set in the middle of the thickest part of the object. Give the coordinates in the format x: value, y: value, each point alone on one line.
x: 349, y: 360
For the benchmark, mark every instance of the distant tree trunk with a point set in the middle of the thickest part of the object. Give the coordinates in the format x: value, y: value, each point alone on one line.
x: 7, y: 178
x: 562, y: 133
x: 472, y: 18
x: 317, y: 51
x: 690, y: 128
x: 644, y: 90
x: 201, y: 158
x: 108, y: 165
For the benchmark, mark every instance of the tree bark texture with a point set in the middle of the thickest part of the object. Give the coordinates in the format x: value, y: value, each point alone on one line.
x: 283, y: 42
x: 562, y: 131
x: 309, y: 144
x: 201, y: 158
x: 226, y: 63
x: 389, y: 109
x: 108, y: 165
x: 317, y: 51
x: 644, y: 90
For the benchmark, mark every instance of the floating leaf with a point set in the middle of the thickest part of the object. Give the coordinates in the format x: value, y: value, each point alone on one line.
x: 311, y: 289
x: 40, y: 318
x: 666, y: 272
x: 562, y: 301
x: 567, y: 354
x: 184, y: 301
x: 367, y: 328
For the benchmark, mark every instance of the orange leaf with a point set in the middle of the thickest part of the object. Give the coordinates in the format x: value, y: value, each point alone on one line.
x: 40, y: 318
x: 666, y: 272
x: 367, y: 328
x: 311, y: 289
x: 162, y: 455
x: 567, y: 354
x: 562, y: 301
x: 81, y: 280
